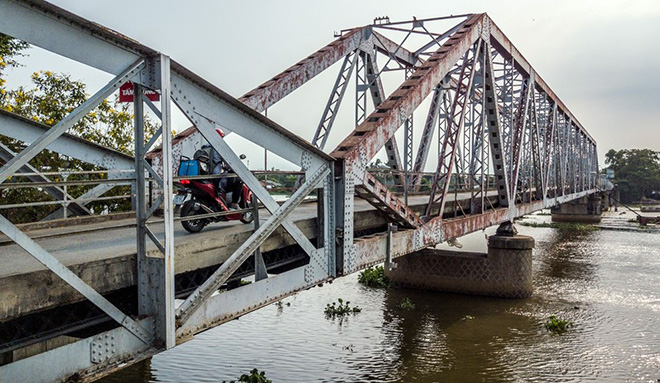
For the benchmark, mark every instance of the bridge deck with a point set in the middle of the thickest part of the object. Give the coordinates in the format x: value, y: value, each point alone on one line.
x: 103, y: 253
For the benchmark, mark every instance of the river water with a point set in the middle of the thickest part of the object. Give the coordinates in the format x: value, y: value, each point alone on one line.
x: 606, y: 282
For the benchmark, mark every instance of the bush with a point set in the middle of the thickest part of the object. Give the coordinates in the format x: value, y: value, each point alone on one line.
x: 564, y: 226
x: 557, y: 325
x: 341, y: 309
x: 374, y: 277
x: 406, y: 304
x: 254, y: 377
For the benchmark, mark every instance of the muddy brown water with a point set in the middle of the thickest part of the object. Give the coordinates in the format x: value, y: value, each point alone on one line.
x: 606, y: 282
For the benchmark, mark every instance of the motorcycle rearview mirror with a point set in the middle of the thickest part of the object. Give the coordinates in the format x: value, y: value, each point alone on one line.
x: 242, y: 156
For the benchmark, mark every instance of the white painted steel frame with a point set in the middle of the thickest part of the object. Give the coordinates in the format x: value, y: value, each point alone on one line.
x: 156, y: 272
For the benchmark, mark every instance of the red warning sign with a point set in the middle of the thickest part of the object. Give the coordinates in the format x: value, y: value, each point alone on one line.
x: 126, y: 93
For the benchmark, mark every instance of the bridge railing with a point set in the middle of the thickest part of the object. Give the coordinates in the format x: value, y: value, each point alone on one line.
x: 74, y: 191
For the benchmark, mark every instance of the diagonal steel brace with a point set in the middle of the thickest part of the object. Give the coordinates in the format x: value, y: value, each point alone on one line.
x: 247, y: 249
x: 57, y: 267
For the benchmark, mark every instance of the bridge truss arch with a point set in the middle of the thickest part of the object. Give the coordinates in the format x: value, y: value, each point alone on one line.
x: 504, y: 139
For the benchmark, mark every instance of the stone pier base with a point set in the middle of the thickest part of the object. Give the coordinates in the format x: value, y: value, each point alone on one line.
x: 585, y: 209
x: 505, y: 272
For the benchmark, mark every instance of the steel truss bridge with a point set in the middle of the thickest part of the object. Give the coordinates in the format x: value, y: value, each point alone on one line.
x: 505, y: 141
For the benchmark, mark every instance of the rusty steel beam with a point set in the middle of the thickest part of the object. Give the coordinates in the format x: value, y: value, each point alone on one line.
x: 384, y: 200
x: 377, y: 95
x: 291, y: 79
x: 334, y: 101
x: 495, y: 130
x: 394, y: 50
x: 537, y: 159
x: 519, y: 127
x: 370, y: 136
x: 446, y: 155
x: 437, y: 39
x: 371, y: 250
x: 429, y: 128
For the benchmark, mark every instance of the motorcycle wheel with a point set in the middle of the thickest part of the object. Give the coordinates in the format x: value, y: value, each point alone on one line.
x: 192, y: 226
x: 247, y: 217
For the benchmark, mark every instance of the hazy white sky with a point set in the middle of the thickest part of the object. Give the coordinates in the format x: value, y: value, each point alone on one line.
x: 600, y: 57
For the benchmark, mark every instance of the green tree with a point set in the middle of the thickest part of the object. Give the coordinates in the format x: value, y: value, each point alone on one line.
x: 636, y: 171
x: 9, y: 49
x: 48, y: 100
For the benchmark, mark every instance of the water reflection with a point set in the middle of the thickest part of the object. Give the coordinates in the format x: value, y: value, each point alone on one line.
x: 565, y: 257
x: 451, y: 337
x: 139, y: 372
x: 607, y: 283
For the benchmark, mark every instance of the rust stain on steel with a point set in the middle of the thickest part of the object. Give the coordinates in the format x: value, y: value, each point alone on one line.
x: 457, y: 227
x: 388, y: 201
x: 291, y: 79
x: 381, y: 125
x: 389, y: 47
x: 371, y: 250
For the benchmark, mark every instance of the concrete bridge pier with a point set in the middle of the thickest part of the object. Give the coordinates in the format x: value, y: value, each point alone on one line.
x: 504, y: 272
x: 586, y: 209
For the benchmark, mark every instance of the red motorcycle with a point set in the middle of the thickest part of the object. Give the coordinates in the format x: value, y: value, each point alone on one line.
x: 201, y: 197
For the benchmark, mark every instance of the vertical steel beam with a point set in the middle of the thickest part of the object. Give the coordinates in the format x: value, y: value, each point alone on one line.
x: 151, y: 275
x: 260, y: 270
x: 478, y: 167
x: 493, y: 123
x: 407, y: 148
x: 447, y: 152
x: 518, y: 129
x: 344, y: 187
x: 167, y: 306
x: 439, y: 94
x: 361, y: 87
x: 329, y: 222
x: 550, y: 149
x: 536, y: 162
x: 375, y: 84
x: 407, y: 154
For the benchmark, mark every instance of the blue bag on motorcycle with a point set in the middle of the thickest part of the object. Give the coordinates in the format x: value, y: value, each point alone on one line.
x: 188, y: 167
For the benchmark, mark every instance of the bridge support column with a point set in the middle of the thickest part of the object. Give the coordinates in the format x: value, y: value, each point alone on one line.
x: 586, y: 209
x: 505, y: 272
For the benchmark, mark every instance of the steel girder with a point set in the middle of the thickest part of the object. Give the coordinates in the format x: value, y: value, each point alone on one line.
x: 429, y: 128
x: 502, y: 109
x: 28, y: 131
x: 372, y: 134
x: 291, y: 79
x: 556, y: 148
x: 371, y: 83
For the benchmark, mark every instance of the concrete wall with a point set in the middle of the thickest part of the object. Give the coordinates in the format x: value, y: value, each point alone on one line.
x: 506, y: 271
x: 585, y: 209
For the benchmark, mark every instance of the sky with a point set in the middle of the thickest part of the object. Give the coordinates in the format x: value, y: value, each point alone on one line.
x: 599, y: 57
